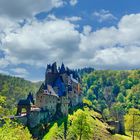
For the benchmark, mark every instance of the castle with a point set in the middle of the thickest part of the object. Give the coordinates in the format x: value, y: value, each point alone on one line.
x: 60, y: 91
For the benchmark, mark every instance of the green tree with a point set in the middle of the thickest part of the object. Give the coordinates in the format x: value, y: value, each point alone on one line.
x: 117, y: 111
x: 80, y: 125
x: 132, y: 122
x: 87, y: 102
x: 13, y: 131
x: 2, y: 105
x: 120, y: 98
x: 106, y: 114
x: 116, y: 90
x: 90, y: 95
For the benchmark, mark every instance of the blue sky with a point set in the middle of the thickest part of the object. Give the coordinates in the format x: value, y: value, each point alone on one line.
x: 96, y: 33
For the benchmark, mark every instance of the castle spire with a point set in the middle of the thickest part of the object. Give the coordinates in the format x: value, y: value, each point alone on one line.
x: 49, y: 68
x: 54, y: 68
x: 62, y: 69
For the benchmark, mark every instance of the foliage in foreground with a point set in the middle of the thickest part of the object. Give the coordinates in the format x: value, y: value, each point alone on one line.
x: 81, y: 125
x: 13, y: 131
x: 132, y: 122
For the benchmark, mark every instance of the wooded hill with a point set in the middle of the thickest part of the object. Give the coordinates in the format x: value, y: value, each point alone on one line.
x: 12, y: 89
x: 114, y: 94
x: 109, y: 89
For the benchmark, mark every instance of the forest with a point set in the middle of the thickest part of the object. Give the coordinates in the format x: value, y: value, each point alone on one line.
x: 12, y: 89
x: 116, y: 95
x: 107, y: 96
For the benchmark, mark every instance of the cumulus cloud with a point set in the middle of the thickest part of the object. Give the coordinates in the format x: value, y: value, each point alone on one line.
x: 103, y: 15
x: 20, y: 9
x: 73, y: 2
x: 114, y: 47
x: 38, y: 43
x: 20, y: 71
x: 118, y: 58
x: 87, y: 30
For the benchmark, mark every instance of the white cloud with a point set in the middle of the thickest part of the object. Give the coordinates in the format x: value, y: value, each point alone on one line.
x: 118, y: 58
x: 38, y: 43
x: 73, y: 2
x: 114, y: 47
x: 20, y: 9
x: 20, y: 71
x: 87, y: 30
x: 103, y: 15
x: 74, y: 18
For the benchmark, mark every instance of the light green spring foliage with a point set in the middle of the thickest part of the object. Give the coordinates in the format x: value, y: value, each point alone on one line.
x: 84, y: 125
x: 81, y: 125
x: 132, y: 121
x: 78, y: 127
x: 52, y: 132
x: 13, y: 131
x: 2, y: 104
x: 87, y: 102
x: 122, y: 137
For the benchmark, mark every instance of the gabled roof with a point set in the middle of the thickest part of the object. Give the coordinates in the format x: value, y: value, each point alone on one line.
x: 50, y: 91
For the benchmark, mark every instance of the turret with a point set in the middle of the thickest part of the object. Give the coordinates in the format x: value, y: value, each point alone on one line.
x: 49, y: 68
x: 51, y: 74
x: 54, y: 68
x: 62, y: 69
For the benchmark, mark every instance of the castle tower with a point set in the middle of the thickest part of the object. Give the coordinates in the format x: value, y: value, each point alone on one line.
x: 62, y: 69
x: 54, y: 68
x: 64, y: 74
x: 51, y: 74
x: 49, y: 68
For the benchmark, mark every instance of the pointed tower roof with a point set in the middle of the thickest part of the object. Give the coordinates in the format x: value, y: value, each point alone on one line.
x: 49, y: 66
x: 62, y: 69
x: 54, y: 68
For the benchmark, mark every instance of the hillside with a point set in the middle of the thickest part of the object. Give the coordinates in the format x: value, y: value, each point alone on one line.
x: 115, y: 95
x: 13, y: 89
x: 106, y: 88
x: 83, y: 124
